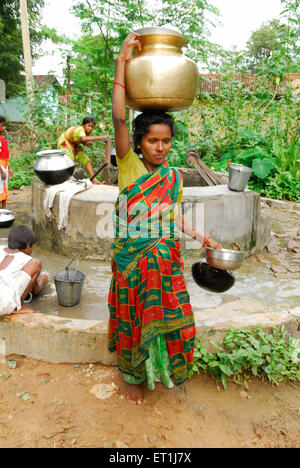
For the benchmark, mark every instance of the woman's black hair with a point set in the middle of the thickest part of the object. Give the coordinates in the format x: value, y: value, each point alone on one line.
x: 141, y: 125
x: 20, y: 237
x: 2, y: 119
x: 87, y: 120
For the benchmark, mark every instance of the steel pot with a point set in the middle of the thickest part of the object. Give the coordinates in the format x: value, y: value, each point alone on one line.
x: 54, y: 167
x: 160, y: 76
x: 224, y: 259
x: 6, y: 218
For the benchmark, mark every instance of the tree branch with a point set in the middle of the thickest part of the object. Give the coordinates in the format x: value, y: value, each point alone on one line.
x: 101, y: 31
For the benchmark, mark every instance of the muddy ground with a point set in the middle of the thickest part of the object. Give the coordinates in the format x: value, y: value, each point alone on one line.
x: 46, y: 405
x: 50, y: 406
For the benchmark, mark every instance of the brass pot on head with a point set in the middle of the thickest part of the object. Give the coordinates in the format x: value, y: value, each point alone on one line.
x: 160, y: 76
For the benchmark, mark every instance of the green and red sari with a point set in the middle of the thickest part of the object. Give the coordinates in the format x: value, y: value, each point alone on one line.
x: 151, y: 325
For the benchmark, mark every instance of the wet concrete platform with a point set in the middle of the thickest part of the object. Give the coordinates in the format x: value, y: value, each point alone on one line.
x: 79, y: 334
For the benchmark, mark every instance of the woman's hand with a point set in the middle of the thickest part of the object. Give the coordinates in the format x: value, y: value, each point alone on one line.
x: 96, y: 182
x: 104, y: 138
x: 3, y: 175
x: 129, y: 43
x: 44, y: 277
x: 10, y: 172
x: 213, y: 244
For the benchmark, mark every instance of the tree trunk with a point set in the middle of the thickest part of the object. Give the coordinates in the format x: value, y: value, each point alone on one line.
x: 26, y: 46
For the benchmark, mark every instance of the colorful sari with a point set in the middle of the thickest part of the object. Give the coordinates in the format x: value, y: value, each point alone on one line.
x: 70, y: 141
x: 150, y: 310
x: 4, y: 183
x: 4, y: 157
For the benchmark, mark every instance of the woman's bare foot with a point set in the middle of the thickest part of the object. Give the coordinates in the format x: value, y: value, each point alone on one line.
x: 135, y: 394
x: 24, y: 310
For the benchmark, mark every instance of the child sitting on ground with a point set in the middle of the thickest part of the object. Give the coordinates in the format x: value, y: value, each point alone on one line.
x: 19, y: 273
x: 5, y: 170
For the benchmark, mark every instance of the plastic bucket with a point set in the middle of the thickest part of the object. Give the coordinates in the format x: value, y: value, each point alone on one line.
x: 239, y: 176
x: 68, y: 285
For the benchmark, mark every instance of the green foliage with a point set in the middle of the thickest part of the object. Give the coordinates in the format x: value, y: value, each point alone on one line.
x: 264, y: 42
x: 283, y: 186
x: 92, y: 58
x: 106, y: 24
x: 181, y: 141
x: 288, y: 158
x: 247, y: 124
x: 273, y: 47
x: 246, y: 353
x: 47, y: 117
x: 251, y: 126
x: 11, y: 51
x: 22, y: 168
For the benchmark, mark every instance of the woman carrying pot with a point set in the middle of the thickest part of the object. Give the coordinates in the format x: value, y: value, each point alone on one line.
x: 151, y: 325
x: 72, y: 139
x: 19, y: 273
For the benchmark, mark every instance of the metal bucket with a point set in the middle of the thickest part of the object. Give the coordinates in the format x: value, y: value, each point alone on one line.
x: 68, y: 284
x: 239, y: 176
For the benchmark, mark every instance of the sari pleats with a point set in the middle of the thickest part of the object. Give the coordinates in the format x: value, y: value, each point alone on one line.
x: 148, y: 299
x: 152, y: 302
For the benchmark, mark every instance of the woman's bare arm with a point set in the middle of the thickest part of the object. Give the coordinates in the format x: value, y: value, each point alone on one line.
x: 122, y: 138
x: 89, y: 139
x: 185, y: 227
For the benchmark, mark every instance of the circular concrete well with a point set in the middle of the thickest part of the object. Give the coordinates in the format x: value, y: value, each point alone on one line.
x: 79, y: 334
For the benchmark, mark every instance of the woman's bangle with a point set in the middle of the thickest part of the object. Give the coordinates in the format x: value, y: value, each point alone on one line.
x: 205, y: 241
x: 120, y: 84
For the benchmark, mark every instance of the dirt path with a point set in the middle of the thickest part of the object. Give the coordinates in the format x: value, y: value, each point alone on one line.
x: 47, y: 405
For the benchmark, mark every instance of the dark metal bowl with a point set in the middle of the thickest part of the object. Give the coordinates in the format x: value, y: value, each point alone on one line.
x: 212, y: 279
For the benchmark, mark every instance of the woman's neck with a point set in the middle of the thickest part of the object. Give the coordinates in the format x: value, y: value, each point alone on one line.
x: 150, y: 167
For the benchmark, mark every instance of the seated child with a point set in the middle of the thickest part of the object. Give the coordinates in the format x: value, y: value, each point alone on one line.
x: 5, y: 170
x: 19, y: 273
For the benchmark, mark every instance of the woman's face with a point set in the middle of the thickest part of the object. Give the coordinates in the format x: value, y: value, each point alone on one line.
x: 89, y: 127
x: 156, y: 144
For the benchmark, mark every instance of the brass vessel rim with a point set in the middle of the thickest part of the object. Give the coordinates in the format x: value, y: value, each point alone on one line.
x: 155, y: 35
x: 157, y: 30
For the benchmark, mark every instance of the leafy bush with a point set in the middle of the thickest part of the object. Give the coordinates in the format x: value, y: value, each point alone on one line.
x: 283, y: 186
x: 246, y: 353
x: 22, y: 168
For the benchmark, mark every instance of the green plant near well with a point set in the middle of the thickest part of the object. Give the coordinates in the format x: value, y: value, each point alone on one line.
x: 22, y: 168
x: 246, y: 353
x: 283, y: 186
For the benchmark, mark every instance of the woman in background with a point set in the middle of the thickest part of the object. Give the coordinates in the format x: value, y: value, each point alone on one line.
x: 72, y: 139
